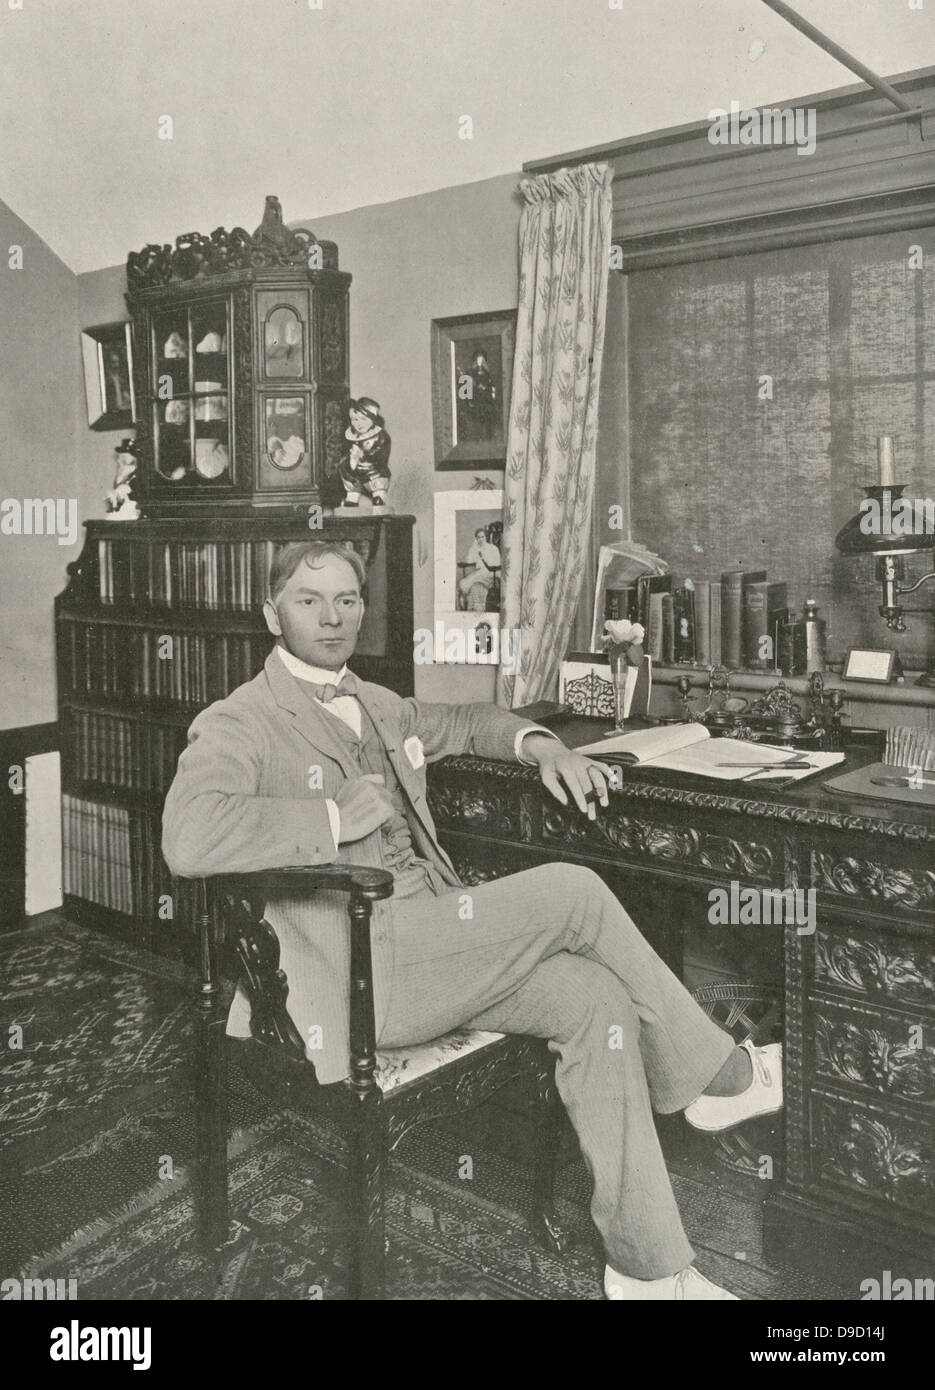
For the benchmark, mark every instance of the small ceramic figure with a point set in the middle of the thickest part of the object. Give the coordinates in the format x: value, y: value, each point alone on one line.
x: 175, y: 346
x: 121, y: 504
x: 211, y: 342
x: 364, y: 467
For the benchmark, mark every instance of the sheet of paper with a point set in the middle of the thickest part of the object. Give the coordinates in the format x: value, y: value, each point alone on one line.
x: 647, y: 744
x: 729, y: 759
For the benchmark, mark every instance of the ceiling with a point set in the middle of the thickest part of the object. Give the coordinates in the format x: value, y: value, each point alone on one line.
x: 359, y: 102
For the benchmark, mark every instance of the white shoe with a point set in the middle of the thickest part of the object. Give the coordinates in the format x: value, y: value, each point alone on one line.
x: 762, y: 1097
x: 687, y: 1284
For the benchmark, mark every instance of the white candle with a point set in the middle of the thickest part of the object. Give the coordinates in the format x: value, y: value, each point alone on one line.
x: 886, y: 454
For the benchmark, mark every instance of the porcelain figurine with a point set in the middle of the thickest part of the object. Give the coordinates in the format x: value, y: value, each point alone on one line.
x: 364, y: 469
x: 121, y: 504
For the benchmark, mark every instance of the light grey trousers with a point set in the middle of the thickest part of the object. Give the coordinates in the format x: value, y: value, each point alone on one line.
x: 551, y: 952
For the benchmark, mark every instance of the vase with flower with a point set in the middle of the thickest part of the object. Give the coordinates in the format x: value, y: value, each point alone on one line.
x: 623, y: 643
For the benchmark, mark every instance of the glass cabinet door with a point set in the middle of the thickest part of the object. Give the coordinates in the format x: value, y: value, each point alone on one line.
x: 192, y: 405
x: 282, y: 335
x: 284, y: 343
x: 286, y: 431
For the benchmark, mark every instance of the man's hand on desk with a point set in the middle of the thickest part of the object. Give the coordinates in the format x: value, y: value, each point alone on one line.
x: 364, y: 805
x: 561, y: 768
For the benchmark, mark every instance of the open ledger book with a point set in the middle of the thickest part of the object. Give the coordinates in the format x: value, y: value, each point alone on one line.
x: 690, y: 748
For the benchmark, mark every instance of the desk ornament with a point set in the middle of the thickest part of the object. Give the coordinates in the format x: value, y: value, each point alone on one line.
x: 631, y: 670
x: 121, y: 502
x: 365, y: 467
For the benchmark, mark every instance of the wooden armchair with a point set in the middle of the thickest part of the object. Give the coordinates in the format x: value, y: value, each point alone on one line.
x: 384, y: 1095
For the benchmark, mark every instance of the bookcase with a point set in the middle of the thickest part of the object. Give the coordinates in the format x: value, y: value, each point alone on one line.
x: 160, y: 618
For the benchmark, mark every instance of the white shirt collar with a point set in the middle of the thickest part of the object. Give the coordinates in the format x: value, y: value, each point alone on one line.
x: 303, y: 672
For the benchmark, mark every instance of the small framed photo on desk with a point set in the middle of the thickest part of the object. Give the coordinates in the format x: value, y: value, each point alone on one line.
x: 877, y: 667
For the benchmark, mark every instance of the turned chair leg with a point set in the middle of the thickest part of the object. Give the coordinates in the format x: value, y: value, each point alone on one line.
x: 548, y: 1116
x: 210, y: 1169
x: 367, y: 1281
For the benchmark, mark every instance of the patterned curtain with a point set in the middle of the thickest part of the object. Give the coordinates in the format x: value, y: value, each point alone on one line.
x: 564, y: 238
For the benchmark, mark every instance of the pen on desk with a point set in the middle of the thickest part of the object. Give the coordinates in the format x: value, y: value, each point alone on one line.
x: 768, y: 767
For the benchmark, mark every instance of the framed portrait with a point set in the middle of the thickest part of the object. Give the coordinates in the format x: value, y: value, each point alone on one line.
x: 107, y: 354
x: 472, y: 369
x: 468, y: 565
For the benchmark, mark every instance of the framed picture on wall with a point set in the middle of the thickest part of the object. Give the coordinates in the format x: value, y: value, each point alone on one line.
x: 107, y: 353
x: 468, y: 564
x: 472, y: 369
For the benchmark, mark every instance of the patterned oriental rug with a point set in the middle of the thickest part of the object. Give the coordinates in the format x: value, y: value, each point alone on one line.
x: 97, y: 1137
x: 100, y: 1020
x: 288, y: 1240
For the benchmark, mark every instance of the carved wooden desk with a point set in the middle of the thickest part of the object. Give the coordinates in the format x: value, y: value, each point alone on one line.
x: 859, y: 994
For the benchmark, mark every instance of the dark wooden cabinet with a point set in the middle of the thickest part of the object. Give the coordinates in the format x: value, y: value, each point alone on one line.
x: 241, y: 370
x: 859, y: 993
x: 159, y: 619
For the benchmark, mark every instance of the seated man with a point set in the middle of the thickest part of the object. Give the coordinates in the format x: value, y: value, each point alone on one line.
x: 306, y: 764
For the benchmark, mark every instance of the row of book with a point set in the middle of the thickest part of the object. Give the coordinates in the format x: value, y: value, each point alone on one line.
x: 223, y: 576
x: 112, y: 857
x: 118, y: 751
x: 733, y: 621
x: 97, y: 862
x: 184, y: 668
x: 212, y: 576
x: 105, y: 748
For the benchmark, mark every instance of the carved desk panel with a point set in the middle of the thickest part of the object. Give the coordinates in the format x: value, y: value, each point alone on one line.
x: 859, y: 991
x: 875, y: 962
x: 882, y: 1054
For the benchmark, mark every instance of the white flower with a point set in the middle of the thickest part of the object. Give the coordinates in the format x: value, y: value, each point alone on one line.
x: 622, y: 634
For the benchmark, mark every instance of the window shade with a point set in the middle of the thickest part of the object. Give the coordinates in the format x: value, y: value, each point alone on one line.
x: 720, y: 479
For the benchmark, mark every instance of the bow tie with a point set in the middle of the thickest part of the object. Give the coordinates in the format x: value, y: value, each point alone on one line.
x: 326, y: 693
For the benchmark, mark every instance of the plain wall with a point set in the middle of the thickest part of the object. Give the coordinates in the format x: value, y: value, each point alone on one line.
x: 433, y: 256
x: 41, y: 406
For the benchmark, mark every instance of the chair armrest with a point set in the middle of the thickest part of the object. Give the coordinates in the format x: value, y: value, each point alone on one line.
x: 259, y: 953
x: 372, y: 884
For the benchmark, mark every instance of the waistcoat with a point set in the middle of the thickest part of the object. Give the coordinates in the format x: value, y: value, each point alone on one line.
x: 412, y: 874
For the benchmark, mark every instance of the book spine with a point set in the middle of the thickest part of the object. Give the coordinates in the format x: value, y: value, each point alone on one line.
x: 668, y: 628
x: 68, y: 872
x: 791, y: 652
x: 754, y: 627
x: 653, y: 640
x: 761, y: 602
x: 683, y: 617
x: 714, y: 624
x: 703, y: 622
x: 732, y: 619
x: 776, y: 610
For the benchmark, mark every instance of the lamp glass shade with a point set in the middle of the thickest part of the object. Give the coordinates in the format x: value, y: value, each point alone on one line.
x: 856, y: 537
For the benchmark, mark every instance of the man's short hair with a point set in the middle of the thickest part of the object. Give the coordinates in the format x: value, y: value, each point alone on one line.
x: 287, y: 560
